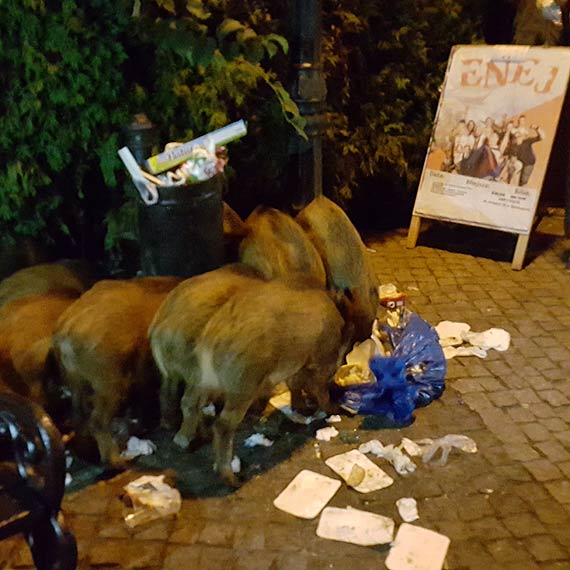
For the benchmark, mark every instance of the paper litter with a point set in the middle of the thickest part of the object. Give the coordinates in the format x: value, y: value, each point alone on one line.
x: 401, y: 462
x: 235, y: 464
x: 326, y: 433
x: 417, y: 548
x: 457, y: 339
x: 359, y: 472
x: 136, y: 447
x: 355, y: 526
x: 152, y: 498
x: 282, y: 402
x: 334, y: 419
x: 408, y: 509
x: 257, y: 439
x: 307, y: 494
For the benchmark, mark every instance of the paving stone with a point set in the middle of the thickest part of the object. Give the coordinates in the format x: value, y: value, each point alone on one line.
x: 544, y: 410
x: 543, y: 470
x: 521, y: 452
x: 217, y: 534
x: 536, y: 432
x: 524, y: 524
x: 560, y: 490
x: 217, y: 557
x: 508, y: 550
x: 502, y: 398
x: 526, y: 396
x: 490, y: 384
x: 551, y: 513
x: 545, y: 548
x: 554, y: 397
x: 520, y: 414
x: 554, y: 424
x: 565, y: 468
x: 489, y: 528
x: 508, y: 504
x: 125, y: 553
x: 182, y: 558
x: 553, y: 450
x: 260, y: 560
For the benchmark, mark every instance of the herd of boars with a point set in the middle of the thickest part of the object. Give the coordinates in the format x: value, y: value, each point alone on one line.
x: 299, y: 294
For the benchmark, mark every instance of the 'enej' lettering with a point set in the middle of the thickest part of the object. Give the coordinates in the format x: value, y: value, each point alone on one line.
x: 532, y: 73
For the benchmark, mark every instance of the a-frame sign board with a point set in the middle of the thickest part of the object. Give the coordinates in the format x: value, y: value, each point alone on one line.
x: 492, y: 138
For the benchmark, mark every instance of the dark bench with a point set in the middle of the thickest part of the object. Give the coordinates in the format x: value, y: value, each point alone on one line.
x: 32, y: 482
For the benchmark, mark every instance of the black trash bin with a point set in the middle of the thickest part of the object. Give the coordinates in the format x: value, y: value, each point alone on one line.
x: 182, y: 234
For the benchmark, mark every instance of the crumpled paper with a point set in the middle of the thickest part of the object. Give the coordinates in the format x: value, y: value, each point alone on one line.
x: 401, y: 462
x: 152, y: 499
x: 136, y: 447
x: 457, y: 339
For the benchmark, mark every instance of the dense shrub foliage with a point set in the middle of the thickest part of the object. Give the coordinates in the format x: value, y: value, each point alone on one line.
x: 74, y: 72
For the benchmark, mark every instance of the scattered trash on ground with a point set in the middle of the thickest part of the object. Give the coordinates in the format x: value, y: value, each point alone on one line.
x: 282, y: 402
x: 355, y: 526
x: 359, y: 472
x: 406, y: 365
x: 236, y: 464
x: 411, y: 447
x: 152, y: 499
x: 68, y: 479
x: 326, y: 433
x: 307, y: 494
x: 446, y: 444
x: 457, y: 339
x: 335, y: 419
x: 401, y: 462
x: 408, y: 509
x: 417, y: 548
x: 257, y: 439
x: 209, y: 410
x: 136, y: 447
x: 318, y: 453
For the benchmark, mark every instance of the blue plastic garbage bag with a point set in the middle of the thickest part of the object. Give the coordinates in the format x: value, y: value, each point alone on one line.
x: 418, y: 345
x: 411, y: 378
x: 391, y: 396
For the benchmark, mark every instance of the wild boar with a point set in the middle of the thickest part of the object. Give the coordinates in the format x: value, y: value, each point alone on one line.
x: 276, y: 246
x: 234, y: 231
x: 346, y: 261
x: 262, y: 336
x: 70, y: 277
x: 176, y: 327
x: 26, y: 329
x: 103, y: 352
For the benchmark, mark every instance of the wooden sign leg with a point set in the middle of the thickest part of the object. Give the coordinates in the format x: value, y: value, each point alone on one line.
x: 520, y: 251
x: 414, y: 231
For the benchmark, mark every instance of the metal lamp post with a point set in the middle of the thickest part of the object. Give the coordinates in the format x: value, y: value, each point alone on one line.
x: 309, y: 93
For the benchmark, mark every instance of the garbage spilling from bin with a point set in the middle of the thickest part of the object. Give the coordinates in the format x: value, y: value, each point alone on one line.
x: 182, y: 164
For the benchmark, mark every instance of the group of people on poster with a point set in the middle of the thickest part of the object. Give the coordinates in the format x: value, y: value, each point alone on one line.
x: 494, y: 150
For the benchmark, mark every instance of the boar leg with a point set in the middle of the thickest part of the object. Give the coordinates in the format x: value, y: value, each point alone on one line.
x: 105, y: 408
x: 192, y: 403
x: 225, y: 428
x: 169, y: 410
x: 310, y: 381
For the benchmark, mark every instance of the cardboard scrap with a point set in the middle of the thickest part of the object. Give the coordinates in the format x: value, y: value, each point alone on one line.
x: 373, y: 478
x: 355, y: 526
x: 417, y: 548
x: 307, y: 494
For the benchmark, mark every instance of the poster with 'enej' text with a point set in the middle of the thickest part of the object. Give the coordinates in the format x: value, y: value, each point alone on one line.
x: 493, y: 133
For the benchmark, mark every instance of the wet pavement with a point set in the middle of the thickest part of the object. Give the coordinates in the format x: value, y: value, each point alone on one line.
x: 506, y: 507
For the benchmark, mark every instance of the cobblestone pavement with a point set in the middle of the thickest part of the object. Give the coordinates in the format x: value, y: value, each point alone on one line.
x: 506, y: 507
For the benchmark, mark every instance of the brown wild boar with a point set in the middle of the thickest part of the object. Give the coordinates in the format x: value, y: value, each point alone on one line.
x: 234, y: 231
x: 277, y: 247
x: 262, y: 336
x: 345, y: 259
x: 178, y: 323
x: 26, y: 329
x: 104, y: 356
x: 65, y: 277
x: 176, y: 327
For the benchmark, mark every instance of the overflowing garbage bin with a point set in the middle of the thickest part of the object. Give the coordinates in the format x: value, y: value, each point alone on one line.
x: 182, y: 234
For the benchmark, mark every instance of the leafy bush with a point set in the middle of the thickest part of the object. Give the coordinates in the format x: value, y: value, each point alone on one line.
x: 61, y: 88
